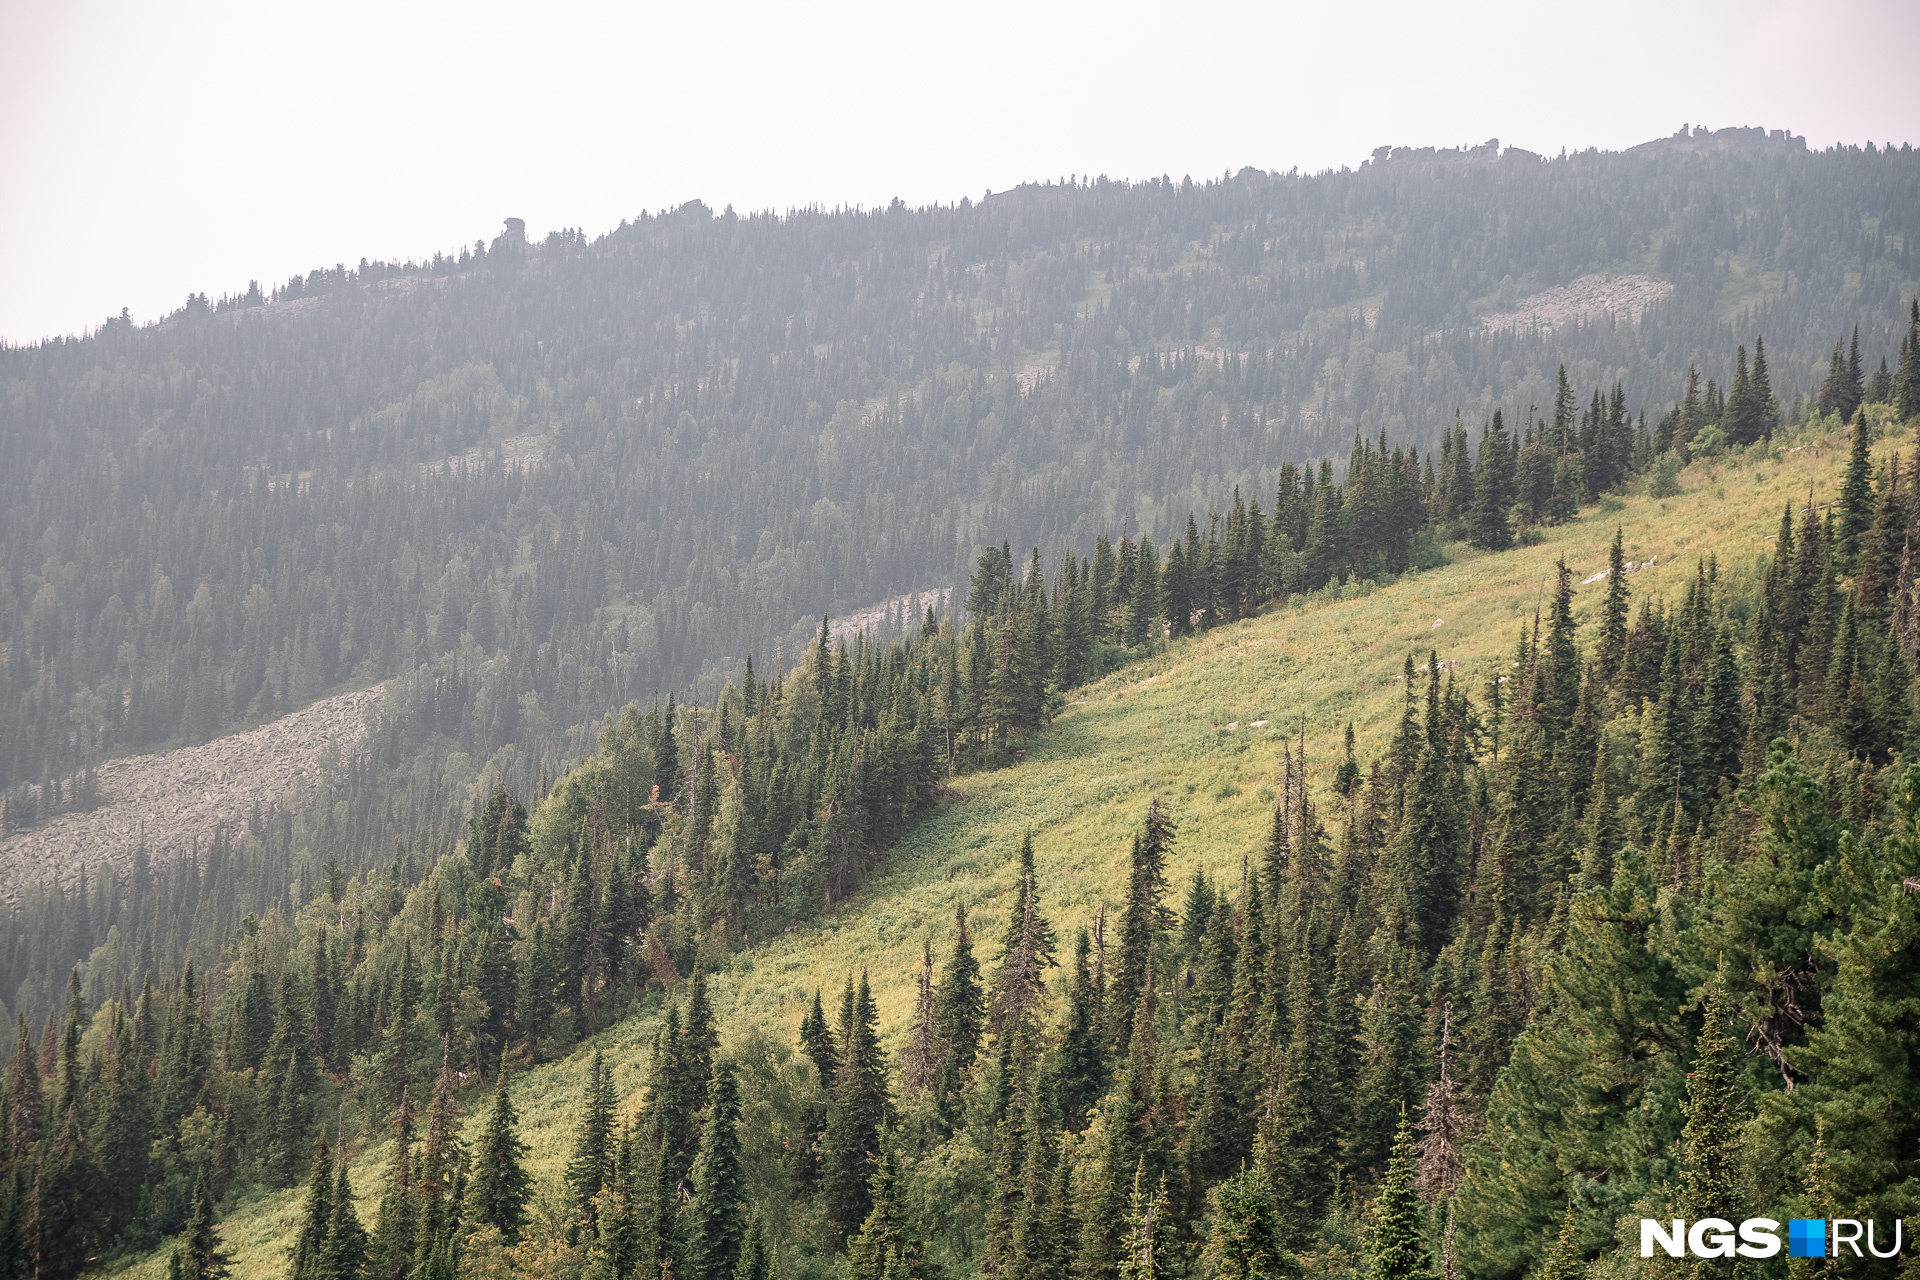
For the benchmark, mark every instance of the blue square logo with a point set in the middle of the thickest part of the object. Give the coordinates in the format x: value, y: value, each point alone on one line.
x: 1806, y: 1237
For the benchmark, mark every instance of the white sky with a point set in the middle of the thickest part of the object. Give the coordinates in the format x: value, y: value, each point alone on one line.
x: 148, y: 150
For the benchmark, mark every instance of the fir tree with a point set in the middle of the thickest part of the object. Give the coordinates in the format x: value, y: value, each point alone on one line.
x: 497, y: 1195
x: 391, y: 1249
x: 756, y: 1262
x: 718, y: 1208
x: 309, y: 1246
x: 1564, y: 1260
x: 591, y: 1162
x: 1396, y: 1250
x: 199, y: 1256
x: 1856, y: 498
x: 860, y: 1107
x: 1149, y: 1245
x: 1612, y: 652
x: 1019, y: 985
x: 959, y: 1004
x: 920, y: 1062
x: 347, y: 1245
x: 1244, y: 1241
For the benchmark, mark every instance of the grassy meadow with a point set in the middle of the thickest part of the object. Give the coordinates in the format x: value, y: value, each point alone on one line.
x: 1162, y: 725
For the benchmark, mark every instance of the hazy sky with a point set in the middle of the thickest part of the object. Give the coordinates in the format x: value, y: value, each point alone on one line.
x: 152, y: 149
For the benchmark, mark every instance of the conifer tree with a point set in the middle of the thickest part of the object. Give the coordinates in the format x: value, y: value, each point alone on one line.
x: 1019, y: 985
x: 1906, y: 379
x: 1493, y: 489
x: 1395, y: 1249
x: 718, y: 1208
x: 347, y: 1245
x: 1760, y: 387
x: 309, y: 1246
x: 199, y: 1256
x: 1442, y: 1126
x: 1427, y: 860
x: 1612, y: 651
x: 1564, y: 1260
x: 591, y: 1161
x: 24, y: 1100
x: 60, y: 1228
x: 441, y: 1180
x: 1856, y: 383
x: 1244, y: 1243
x: 1856, y: 498
x: 886, y: 1248
x: 860, y: 1107
x: 1079, y: 1062
x: 497, y: 1195
x: 1145, y: 604
x: 391, y: 1249
x: 1146, y: 919
x: 921, y: 1060
x: 1710, y: 1143
x: 290, y: 1053
x: 756, y: 1262
x: 1149, y: 1246
x: 959, y: 1004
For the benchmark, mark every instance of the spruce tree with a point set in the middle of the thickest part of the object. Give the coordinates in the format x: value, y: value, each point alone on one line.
x: 1244, y: 1242
x: 1395, y: 1247
x: 497, y: 1195
x: 860, y: 1107
x: 959, y: 1004
x: 718, y: 1208
x: 199, y: 1256
x: 1149, y: 1243
x: 347, y: 1244
x: 391, y: 1249
x: 590, y: 1163
x: 1493, y: 489
x: 756, y: 1261
x: 309, y: 1246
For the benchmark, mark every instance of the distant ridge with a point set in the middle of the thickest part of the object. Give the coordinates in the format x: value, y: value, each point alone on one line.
x: 1695, y: 139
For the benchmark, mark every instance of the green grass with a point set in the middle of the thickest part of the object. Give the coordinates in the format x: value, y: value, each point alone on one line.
x: 1158, y: 726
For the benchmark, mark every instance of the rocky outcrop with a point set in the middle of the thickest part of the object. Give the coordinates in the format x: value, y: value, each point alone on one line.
x: 179, y: 798
x: 1623, y: 296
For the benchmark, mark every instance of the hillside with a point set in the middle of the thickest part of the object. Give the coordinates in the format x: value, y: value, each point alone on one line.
x: 1202, y: 725
x: 554, y: 477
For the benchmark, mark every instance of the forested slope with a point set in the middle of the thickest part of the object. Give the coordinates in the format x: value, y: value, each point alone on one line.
x: 550, y: 478
x: 1330, y: 944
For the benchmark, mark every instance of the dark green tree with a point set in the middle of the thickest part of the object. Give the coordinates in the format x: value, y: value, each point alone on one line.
x: 1396, y: 1248
x: 199, y: 1256
x: 718, y: 1209
x: 497, y: 1195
